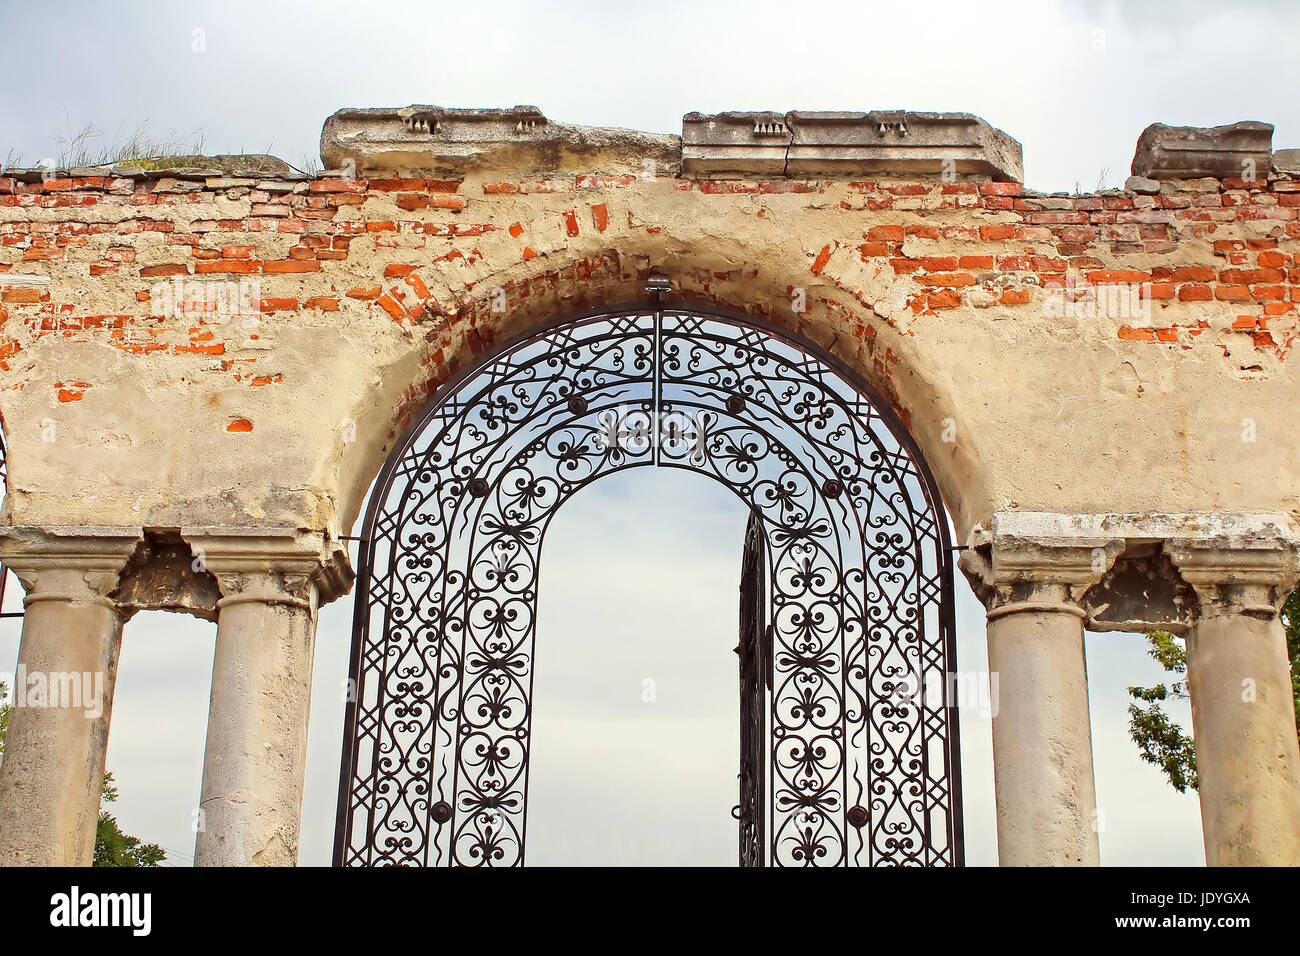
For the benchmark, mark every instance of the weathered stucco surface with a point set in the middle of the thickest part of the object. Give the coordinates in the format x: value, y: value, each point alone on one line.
x: 371, y: 291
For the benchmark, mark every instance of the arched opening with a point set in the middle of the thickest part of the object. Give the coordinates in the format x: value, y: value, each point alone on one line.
x: 856, y: 756
x: 635, y: 730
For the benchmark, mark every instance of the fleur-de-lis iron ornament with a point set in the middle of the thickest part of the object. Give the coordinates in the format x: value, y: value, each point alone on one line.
x: 848, y: 536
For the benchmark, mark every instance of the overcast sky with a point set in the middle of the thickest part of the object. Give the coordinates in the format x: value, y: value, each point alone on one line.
x: 1074, y: 82
x: 641, y: 569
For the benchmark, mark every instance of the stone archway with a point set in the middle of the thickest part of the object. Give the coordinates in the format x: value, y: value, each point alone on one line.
x: 862, y: 755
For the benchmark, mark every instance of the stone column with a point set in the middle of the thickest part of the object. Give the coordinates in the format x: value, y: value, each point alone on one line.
x: 53, y: 765
x: 1243, y: 716
x: 255, y: 758
x: 1042, y: 739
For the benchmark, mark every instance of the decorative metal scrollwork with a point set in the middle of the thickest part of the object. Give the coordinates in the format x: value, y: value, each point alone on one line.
x: 860, y: 767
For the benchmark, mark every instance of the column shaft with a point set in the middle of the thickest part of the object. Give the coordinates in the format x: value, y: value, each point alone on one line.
x: 255, y: 759
x: 53, y: 766
x: 1042, y: 742
x: 1247, y: 758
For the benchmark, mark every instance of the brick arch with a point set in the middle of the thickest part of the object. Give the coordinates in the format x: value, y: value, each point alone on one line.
x: 457, y: 312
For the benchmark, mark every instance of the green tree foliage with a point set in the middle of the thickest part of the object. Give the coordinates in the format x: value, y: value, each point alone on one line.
x: 1161, y: 741
x: 115, y: 848
x: 112, y: 846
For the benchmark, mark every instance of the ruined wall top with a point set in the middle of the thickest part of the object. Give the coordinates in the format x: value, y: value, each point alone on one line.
x: 732, y: 144
x: 798, y: 144
x: 794, y: 144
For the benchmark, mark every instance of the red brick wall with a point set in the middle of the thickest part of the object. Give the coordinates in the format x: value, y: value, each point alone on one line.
x: 425, y: 236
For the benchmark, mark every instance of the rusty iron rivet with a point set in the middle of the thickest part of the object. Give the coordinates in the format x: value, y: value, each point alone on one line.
x: 478, y: 487
x: 441, y: 811
x: 735, y: 403
x: 858, y: 817
x: 578, y: 404
x: 832, y: 488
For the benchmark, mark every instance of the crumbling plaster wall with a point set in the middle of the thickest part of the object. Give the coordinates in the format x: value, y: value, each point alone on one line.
x: 374, y: 291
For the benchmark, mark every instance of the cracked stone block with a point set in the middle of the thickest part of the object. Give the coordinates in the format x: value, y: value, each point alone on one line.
x: 848, y: 144
x: 906, y: 144
x: 519, y: 140
x: 1238, y: 150
x: 1287, y: 161
x: 1140, y: 184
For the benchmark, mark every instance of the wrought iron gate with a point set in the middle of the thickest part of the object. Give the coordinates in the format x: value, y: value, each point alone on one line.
x: 859, y: 765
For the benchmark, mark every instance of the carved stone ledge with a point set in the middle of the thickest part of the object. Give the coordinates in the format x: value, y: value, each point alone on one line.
x: 72, y: 562
x: 516, y: 141
x: 278, y: 557
x: 1252, y: 577
x: 1287, y: 161
x: 1157, y: 571
x: 1030, y: 558
x: 1193, y: 152
x: 847, y: 144
x: 735, y: 144
x: 146, y: 569
x: 522, y: 141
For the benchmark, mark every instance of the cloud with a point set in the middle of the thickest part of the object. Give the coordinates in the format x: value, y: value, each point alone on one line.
x: 1074, y: 82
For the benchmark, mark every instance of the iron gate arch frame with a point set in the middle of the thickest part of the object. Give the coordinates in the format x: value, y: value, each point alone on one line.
x: 657, y: 308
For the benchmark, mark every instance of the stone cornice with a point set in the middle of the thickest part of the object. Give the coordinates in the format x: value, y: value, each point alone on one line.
x: 795, y: 144
x: 103, y: 552
x: 1233, y: 561
x: 1229, y: 529
x: 521, y: 140
x: 88, y: 548
x: 1032, y: 549
x: 68, y: 563
x: 284, y: 551
x: 1232, y: 575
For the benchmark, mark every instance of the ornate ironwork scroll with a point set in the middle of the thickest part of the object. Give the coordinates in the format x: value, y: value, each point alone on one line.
x: 860, y: 765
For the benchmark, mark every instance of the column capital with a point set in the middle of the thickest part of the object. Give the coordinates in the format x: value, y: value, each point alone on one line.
x: 88, y: 561
x: 1034, y: 561
x: 1238, y: 574
x: 277, y: 565
x: 70, y: 563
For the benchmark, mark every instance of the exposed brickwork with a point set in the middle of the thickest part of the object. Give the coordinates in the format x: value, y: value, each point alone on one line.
x: 1092, y: 234
x: 450, y: 266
